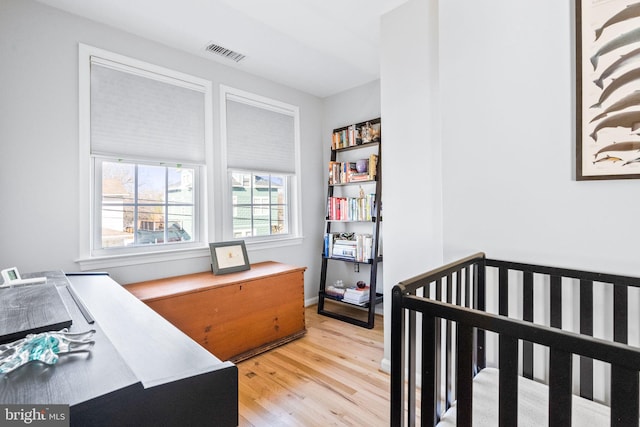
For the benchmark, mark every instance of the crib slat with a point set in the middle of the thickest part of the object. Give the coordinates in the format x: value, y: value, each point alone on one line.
x: 467, y: 286
x: 624, y: 383
x: 527, y: 314
x: 429, y: 407
x: 448, y: 349
x: 620, y: 314
x: 559, y: 365
x: 556, y: 302
x: 624, y: 397
x: 459, y: 287
x: 508, y: 381
x: 559, y: 388
x: 503, y: 291
x: 586, y: 328
x: 437, y: 348
x: 465, y: 375
x: 411, y: 365
x: 480, y: 304
x: 397, y: 359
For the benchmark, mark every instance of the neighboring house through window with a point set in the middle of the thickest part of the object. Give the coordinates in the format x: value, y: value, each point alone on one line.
x: 261, y: 142
x: 144, y: 132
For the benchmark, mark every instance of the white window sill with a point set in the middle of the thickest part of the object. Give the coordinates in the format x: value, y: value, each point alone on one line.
x: 272, y: 243
x: 123, y: 260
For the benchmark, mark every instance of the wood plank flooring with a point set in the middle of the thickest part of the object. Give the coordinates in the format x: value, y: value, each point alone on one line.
x: 329, y: 377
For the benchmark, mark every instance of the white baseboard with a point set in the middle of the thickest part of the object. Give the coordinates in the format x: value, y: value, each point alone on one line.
x: 385, y: 365
x: 310, y: 301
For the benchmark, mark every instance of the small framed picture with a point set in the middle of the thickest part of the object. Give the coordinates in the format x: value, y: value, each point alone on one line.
x: 229, y: 257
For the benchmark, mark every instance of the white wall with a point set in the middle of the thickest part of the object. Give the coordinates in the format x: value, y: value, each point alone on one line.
x: 509, y: 143
x: 411, y: 166
x: 39, y: 174
x: 352, y: 106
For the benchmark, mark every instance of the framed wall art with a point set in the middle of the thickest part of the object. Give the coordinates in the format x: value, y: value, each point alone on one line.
x: 607, y: 89
x: 229, y: 257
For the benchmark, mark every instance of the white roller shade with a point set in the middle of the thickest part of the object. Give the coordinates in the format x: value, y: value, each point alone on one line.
x: 259, y: 139
x: 141, y: 115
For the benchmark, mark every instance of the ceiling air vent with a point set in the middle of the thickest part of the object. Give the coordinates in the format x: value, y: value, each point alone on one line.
x: 225, y: 53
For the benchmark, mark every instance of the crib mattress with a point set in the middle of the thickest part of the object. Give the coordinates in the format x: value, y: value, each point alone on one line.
x: 533, y: 403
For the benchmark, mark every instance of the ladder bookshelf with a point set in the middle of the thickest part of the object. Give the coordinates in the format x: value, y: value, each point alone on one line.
x: 356, y: 213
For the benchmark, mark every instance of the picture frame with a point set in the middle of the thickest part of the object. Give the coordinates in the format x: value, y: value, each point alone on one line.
x: 229, y: 257
x: 607, y: 89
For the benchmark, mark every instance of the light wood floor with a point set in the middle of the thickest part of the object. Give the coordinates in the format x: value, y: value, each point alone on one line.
x: 329, y: 377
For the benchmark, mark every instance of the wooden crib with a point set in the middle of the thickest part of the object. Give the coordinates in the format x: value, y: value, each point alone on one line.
x: 442, y: 318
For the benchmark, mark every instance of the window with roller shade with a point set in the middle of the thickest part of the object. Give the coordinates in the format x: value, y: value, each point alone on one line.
x: 147, y: 136
x: 261, y: 143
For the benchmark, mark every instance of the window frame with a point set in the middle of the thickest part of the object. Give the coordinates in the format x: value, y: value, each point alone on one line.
x: 294, y: 237
x: 90, y: 255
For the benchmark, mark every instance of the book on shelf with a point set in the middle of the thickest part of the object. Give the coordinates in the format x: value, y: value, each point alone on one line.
x: 351, y: 135
x: 363, y: 247
x: 351, y: 208
x: 346, y: 249
x: 347, y: 137
x: 357, y: 134
x: 348, y: 169
x: 328, y: 245
x: 345, y: 172
x: 357, y: 249
x: 342, y: 172
x: 373, y: 166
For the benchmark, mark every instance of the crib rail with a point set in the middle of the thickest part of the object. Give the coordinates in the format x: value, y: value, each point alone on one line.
x: 621, y: 286
x: 468, y: 272
x: 452, y: 310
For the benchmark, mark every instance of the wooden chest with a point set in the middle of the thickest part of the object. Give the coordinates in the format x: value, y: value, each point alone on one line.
x: 236, y: 315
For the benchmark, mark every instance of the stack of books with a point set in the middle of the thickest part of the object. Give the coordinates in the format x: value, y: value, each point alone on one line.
x: 356, y: 249
x: 359, y: 296
x: 335, y: 291
x: 346, y: 249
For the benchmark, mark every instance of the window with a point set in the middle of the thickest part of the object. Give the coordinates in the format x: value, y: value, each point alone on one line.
x: 144, y: 133
x: 260, y: 205
x: 145, y: 204
x: 261, y: 144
